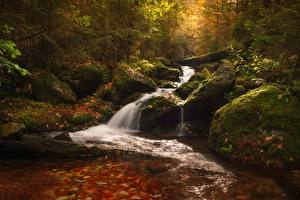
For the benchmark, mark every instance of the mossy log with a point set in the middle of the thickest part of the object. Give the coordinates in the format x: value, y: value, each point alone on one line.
x: 210, y: 58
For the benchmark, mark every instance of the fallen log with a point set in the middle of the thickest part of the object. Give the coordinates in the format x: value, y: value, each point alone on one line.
x: 210, y: 58
x: 35, y: 146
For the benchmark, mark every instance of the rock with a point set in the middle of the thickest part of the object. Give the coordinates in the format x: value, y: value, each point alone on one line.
x: 46, y: 87
x: 35, y: 146
x: 186, y: 89
x: 209, y: 96
x: 261, y: 127
x: 162, y: 72
x: 251, y: 84
x: 127, y: 82
x: 160, y: 114
x: 48, y: 54
x: 65, y: 136
x: 166, y: 84
x: 85, y: 80
x: 11, y: 130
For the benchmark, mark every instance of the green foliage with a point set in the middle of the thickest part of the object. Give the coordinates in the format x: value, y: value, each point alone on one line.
x: 250, y: 64
x: 8, y: 53
x: 273, y: 30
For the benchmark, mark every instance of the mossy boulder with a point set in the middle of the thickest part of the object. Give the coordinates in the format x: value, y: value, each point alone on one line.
x: 127, y: 81
x: 261, y: 127
x: 46, y: 87
x: 187, y: 88
x: 11, y: 130
x: 48, y: 54
x: 156, y: 70
x: 210, y: 94
x: 160, y: 114
x: 162, y: 72
x: 84, y: 80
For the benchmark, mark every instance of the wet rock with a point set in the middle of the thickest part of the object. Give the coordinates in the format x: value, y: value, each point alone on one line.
x: 11, y: 130
x: 127, y: 82
x: 209, y: 95
x: 162, y: 72
x: 46, y: 87
x: 160, y: 114
x: 261, y: 127
x: 186, y: 89
x: 165, y: 84
x: 65, y: 136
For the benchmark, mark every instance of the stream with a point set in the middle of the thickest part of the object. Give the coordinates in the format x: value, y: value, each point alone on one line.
x: 181, y: 167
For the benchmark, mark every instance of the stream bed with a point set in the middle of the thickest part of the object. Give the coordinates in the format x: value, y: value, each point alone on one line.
x: 198, y: 174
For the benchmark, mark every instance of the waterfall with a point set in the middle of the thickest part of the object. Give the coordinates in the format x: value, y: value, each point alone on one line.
x: 128, y: 118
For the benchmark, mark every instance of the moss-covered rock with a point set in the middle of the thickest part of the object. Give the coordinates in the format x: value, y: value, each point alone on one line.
x: 156, y: 70
x: 209, y: 95
x: 85, y: 80
x: 160, y: 114
x: 127, y: 82
x: 46, y: 87
x: 166, y: 84
x: 186, y: 89
x: 48, y: 54
x: 261, y: 127
x: 166, y: 73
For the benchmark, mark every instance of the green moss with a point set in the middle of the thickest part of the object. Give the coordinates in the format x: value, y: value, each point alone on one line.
x: 186, y: 89
x: 31, y: 118
x: 80, y: 119
x: 246, y: 122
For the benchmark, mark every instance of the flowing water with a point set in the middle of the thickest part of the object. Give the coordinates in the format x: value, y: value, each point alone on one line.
x: 184, y: 167
x: 197, y: 171
x: 128, y: 118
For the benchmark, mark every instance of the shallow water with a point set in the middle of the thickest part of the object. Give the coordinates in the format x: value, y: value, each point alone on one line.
x: 186, y: 170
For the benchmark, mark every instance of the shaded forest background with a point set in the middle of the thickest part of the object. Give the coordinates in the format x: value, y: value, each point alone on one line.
x: 85, y: 53
x: 108, y: 32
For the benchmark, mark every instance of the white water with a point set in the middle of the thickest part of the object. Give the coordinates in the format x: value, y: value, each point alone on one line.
x: 128, y: 118
x: 116, y: 135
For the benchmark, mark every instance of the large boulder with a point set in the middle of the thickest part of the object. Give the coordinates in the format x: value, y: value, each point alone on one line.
x: 261, y: 127
x: 48, y: 55
x: 160, y: 114
x: 209, y: 95
x: 84, y: 80
x: 11, y: 130
x: 46, y: 87
x: 127, y: 81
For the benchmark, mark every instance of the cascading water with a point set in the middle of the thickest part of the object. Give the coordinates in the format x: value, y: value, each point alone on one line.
x: 115, y: 135
x: 128, y: 118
